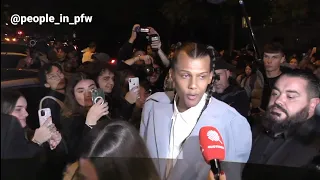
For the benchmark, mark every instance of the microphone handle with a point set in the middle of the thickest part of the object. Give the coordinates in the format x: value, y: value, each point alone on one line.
x: 215, y: 168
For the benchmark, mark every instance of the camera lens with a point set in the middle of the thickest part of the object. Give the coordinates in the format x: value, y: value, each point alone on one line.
x: 42, y: 113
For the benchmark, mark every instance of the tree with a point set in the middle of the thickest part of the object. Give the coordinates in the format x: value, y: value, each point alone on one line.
x: 288, y: 11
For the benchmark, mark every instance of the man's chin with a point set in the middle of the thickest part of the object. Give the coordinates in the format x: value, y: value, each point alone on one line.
x: 277, y: 118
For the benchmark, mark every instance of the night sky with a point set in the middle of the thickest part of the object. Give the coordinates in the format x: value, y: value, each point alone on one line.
x: 113, y: 20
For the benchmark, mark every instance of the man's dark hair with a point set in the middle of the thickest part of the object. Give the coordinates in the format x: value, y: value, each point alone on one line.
x: 313, y: 86
x: 44, y: 70
x: 92, y: 45
x: 273, y: 47
x: 193, y: 50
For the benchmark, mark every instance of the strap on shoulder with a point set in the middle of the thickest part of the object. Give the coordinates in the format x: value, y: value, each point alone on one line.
x: 61, y: 104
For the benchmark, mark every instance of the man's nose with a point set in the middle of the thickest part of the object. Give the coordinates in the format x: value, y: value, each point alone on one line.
x: 280, y: 100
x: 192, y: 83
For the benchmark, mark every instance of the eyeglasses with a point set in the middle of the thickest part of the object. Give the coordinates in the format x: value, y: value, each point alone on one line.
x: 55, y: 76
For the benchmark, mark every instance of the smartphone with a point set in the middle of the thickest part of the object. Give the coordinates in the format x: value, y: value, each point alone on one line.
x: 97, y: 94
x: 133, y: 83
x: 44, y: 114
x: 142, y: 30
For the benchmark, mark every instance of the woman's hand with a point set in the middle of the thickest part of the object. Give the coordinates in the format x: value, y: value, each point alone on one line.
x: 96, y: 112
x: 132, y: 95
x: 146, y: 58
x: 43, y: 133
x: 55, y: 139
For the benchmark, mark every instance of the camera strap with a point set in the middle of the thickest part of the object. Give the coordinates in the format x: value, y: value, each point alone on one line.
x: 61, y: 104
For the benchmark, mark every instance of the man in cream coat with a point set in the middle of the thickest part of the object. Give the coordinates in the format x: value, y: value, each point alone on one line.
x: 170, y: 123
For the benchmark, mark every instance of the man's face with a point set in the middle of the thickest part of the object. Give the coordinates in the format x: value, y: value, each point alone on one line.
x: 106, y: 81
x: 155, y: 75
x: 248, y: 70
x: 61, y: 54
x: 55, y: 79
x: 272, y: 61
x: 294, y: 63
x: 223, y: 83
x: 191, y: 78
x: 149, y: 50
x: 289, y: 101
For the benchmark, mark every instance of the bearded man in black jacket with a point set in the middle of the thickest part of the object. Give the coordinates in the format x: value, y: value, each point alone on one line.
x: 288, y: 134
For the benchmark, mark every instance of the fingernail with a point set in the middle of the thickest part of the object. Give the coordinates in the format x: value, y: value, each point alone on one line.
x: 222, y: 172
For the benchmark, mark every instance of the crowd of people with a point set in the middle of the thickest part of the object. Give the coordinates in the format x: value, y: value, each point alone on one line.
x: 265, y: 111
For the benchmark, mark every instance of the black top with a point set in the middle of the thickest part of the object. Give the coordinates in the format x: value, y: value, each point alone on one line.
x: 236, y: 97
x: 295, y: 147
x: 267, y: 88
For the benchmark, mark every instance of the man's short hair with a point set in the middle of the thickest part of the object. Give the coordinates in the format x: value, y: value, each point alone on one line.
x: 44, y: 70
x: 273, y: 47
x: 313, y: 86
x: 92, y: 45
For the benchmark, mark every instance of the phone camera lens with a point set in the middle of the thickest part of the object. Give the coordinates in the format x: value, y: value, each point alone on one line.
x: 42, y: 113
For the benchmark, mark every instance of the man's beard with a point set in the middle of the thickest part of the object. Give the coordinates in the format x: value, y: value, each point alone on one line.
x: 270, y: 123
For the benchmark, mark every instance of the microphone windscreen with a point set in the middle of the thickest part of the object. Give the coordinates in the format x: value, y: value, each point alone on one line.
x: 211, y: 144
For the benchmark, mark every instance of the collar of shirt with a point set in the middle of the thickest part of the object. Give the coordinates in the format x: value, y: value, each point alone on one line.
x: 191, y: 113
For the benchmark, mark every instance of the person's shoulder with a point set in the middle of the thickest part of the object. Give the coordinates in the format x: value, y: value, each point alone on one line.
x: 161, y: 97
x: 221, y: 109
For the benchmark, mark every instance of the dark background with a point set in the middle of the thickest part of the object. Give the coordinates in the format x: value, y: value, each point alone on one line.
x: 197, y: 21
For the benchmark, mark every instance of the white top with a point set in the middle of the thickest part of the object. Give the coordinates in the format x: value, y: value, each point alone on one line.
x: 182, y: 125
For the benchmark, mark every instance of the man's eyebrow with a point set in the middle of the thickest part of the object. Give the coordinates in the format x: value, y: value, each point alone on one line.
x: 190, y: 72
x: 293, y: 91
x: 287, y: 91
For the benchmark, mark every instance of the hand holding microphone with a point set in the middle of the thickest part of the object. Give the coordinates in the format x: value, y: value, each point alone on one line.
x: 213, y: 151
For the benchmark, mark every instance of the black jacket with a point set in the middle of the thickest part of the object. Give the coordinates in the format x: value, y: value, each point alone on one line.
x: 74, y: 131
x: 296, y: 147
x: 236, y: 97
x: 19, y: 157
x: 119, y: 108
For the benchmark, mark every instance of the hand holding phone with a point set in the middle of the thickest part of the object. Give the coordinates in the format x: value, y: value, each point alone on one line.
x: 96, y: 112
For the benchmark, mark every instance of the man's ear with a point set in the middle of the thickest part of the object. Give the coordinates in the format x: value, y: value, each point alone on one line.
x: 228, y: 73
x: 47, y: 85
x: 283, y: 59
x: 211, y: 76
x: 314, y: 102
x: 171, y: 73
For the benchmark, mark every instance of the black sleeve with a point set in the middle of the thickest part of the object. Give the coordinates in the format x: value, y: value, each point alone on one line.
x: 122, y: 109
x: 14, y: 144
x: 125, y: 51
x: 55, y: 111
x: 122, y: 65
x: 73, y: 131
x: 242, y: 103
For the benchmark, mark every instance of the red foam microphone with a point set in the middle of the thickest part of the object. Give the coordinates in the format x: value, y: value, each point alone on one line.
x: 212, y: 148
